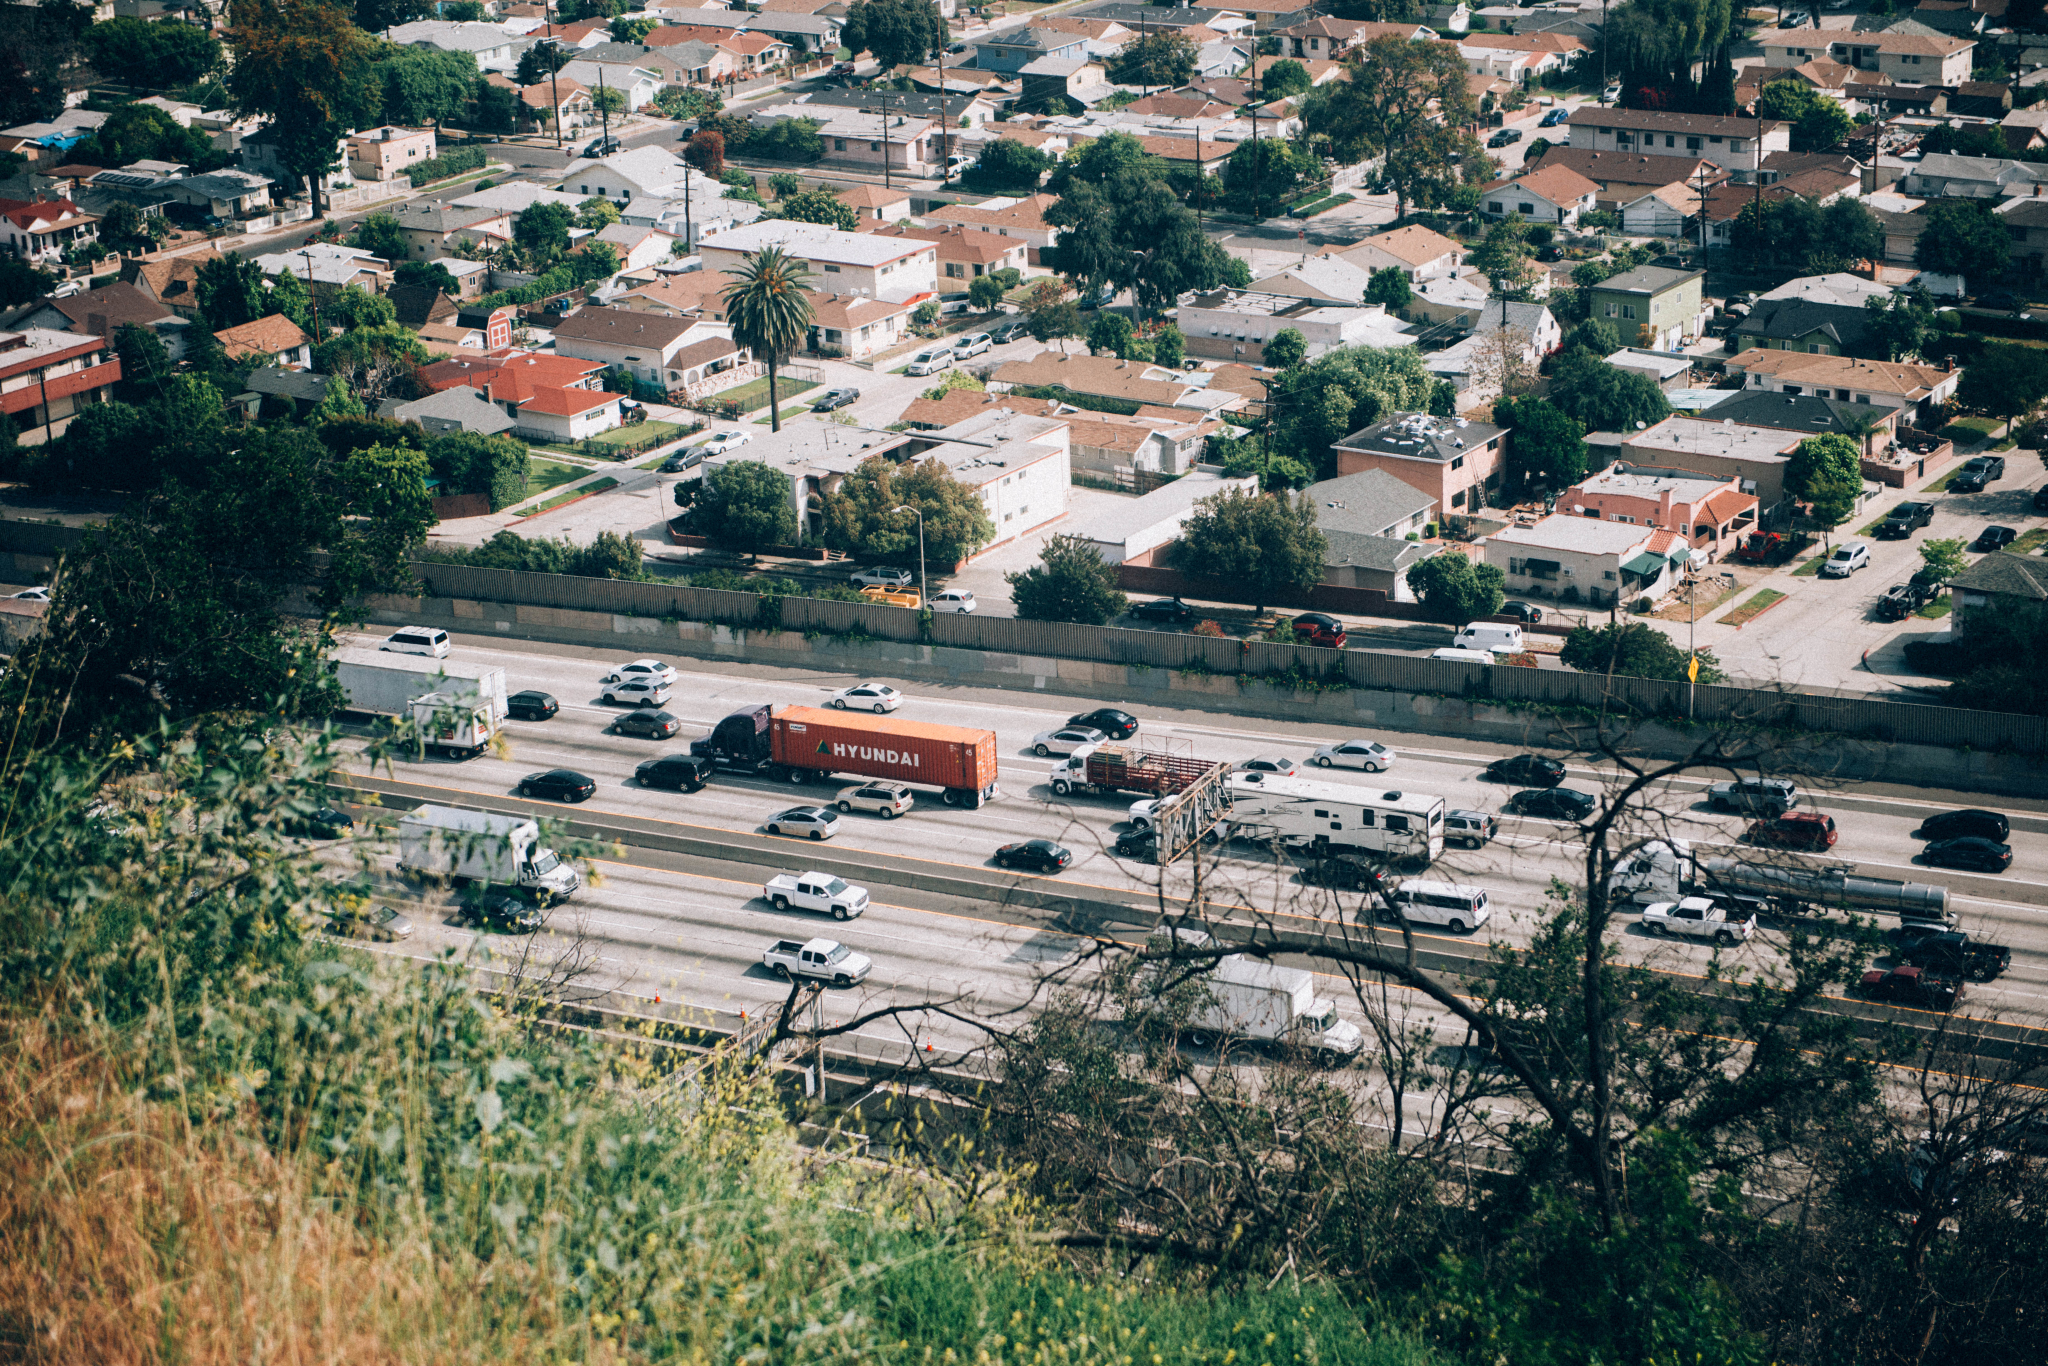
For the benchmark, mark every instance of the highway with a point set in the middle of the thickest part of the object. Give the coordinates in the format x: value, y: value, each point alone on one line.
x: 688, y: 926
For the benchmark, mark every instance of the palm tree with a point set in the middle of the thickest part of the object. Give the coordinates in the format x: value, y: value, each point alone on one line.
x: 768, y: 312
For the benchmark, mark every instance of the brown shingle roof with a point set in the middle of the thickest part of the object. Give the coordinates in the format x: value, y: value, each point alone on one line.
x: 267, y: 336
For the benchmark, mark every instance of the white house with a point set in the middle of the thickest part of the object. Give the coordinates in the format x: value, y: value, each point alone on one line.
x: 493, y: 48
x: 1415, y: 251
x: 1727, y: 141
x: 567, y: 414
x: 892, y: 268
x: 1581, y: 560
x: 646, y: 345
x: 1906, y: 58
x: 1236, y: 323
x: 1548, y: 194
x: 638, y: 84
x: 1132, y: 529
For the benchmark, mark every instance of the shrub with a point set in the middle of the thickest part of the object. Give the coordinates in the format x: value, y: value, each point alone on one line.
x: 445, y: 165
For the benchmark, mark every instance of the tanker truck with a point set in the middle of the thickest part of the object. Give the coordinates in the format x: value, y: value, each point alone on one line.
x: 1667, y: 871
x: 811, y: 745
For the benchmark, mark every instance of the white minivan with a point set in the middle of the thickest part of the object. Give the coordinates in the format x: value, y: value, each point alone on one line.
x: 1487, y: 635
x: 1453, y: 905
x: 930, y: 361
x: 417, y: 640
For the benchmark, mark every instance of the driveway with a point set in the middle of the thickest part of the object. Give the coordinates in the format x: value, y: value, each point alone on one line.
x: 984, y: 574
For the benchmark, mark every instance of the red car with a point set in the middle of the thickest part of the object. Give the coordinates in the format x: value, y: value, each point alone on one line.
x: 1794, y: 830
x: 1912, y: 986
x: 1319, y: 628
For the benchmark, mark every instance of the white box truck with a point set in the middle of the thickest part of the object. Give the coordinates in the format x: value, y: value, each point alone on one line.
x: 456, y: 707
x: 1252, y: 999
x: 480, y: 846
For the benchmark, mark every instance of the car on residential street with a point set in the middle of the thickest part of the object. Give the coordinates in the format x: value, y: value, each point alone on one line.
x: 814, y: 822
x: 1273, y: 764
x: 1555, y: 117
x: 1553, y: 803
x: 603, y: 147
x: 1009, y: 329
x: 835, y: 398
x: 1970, y: 851
x: 558, y: 785
x: 1505, y: 137
x: 634, y: 693
x: 652, y: 725
x: 1902, y: 600
x: 954, y: 600
x: 683, y: 460
x: 1994, y: 538
x: 1808, y: 830
x: 1319, y: 628
x: 1065, y: 741
x: 1771, y: 797
x: 532, y: 705
x: 887, y: 800
x: 718, y: 443
x: 642, y: 671
x: 30, y: 595
x: 1117, y: 725
x: 1912, y: 986
x: 1976, y: 473
x: 1904, y: 520
x: 973, y: 344
x: 1369, y: 755
x: 930, y: 361
x: 501, y: 911
x: 876, y: 697
x: 883, y: 576
x: 1528, y: 770
x: 683, y: 772
x: 1948, y: 825
x: 1846, y: 560
x: 1164, y: 609
x: 1521, y: 611
x: 1039, y: 855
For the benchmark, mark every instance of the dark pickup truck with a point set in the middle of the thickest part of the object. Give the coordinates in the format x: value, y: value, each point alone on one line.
x: 1949, y: 953
x: 1905, y: 519
x: 1912, y: 986
x: 1903, y: 600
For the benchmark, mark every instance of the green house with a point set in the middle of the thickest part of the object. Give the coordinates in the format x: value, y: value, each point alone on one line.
x: 1653, y: 307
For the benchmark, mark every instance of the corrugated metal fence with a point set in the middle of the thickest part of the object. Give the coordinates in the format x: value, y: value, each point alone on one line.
x: 1861, y: 717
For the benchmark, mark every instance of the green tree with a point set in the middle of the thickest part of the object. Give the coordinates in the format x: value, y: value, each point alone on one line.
x: 1831, y: 499
x: 470, y: 462
x: 355, y: 307
x: 1388, y: 287
x: 1266, y: 543
x: 745, y: 506
x: 1167, y: 58
x: 229, y: 292
x: 135, y: 131
x: 1818, y: 122
x: 427, y: 275
x: 380, y: 235
x: 1546, y: 449
x: 127, y: 228
x: 539, y: 62
x: 896, y: 32
x: 1457, y: 589
x: 1259, y: 175
x: 786, y: 184
x: 289, y: 297
x: 1053, y: 316
x: 1285, y: 349
x: 423, y: 85
x: 1169, y: 346
x: 632, y: 28
x: 768, y: 311
x: 153, y: 56
x: 463, y: 11
x: 595, y: 213
x: 1285, y: 77
x: 145, y: 364
x: 1603, y: 397
x: 21, y: 282
x: 788, y: 140
x: 1943, y: 559
x: 1409, y: 102
x: 985, y: 293
x: 1595, y: 336
x: 1070, y: 582
x: 1008, y: 165
x: 1817, y: 456
x: 1320, y: 402
x: 1507, y: 261
x: 306, y: 66
x: 374, y: 362
x: 542, y: 233
x: 1109, y: 333
x: 861, y: 516
x: 2005, y: 379
x: 1636, y: 649
x: 1963, y: 237
x: 1896, y: 327
x: 821, y: 206
x: 608, y: 100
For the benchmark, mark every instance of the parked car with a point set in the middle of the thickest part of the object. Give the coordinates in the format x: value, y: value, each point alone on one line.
x: 652, y: 725
x: 1117, y: 725
x: 1994, y: 538
x: 1065, y: 741
x: 682, y: 772
x: 1969, y: 851
x: 1319, y: 628
x: 642, y: 671
x: 1042, y: 855
x: 930, y: 361
x: 1555, y: 117
x: 683, y: 460
x: 603, y: 147
x: 1912, y: 986
x: 1164, y: 609
x: 973, y: 344
x: 1370, y: 755
x: 817, y: 822
x: 718, y: 443
x: 558, y: 785
x: 2002, y: 300
x: 2041, y: 498
x: 1554, y: 803
x: 883, y: 576
x: 1521, y: 611
x: 30, y: 595
x: 841, y: 69
x: 634, y: 693
x: 1267, y: 764
x: 953, y: 600
x: 1905, y: 519
x: 1796, y: 19
x: 501, y: 911
x: 887, y: 800
x: 1977, y: 472
x: 1529, y: 770
x: 1846, y: 560
x: 1009, y: 329
x: 1948, y: 825
x: 875, y: 697
x: 1470, y: 828
x: 835, y: 398
x: 1505, y: 137
x: 1902, y: 600
x: 1808, y: 830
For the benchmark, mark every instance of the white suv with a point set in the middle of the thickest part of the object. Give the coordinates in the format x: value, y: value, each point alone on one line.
x: 634, y: 692
x: 1846, y: 560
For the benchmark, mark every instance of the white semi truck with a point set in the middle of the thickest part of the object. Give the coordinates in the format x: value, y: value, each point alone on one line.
x: 1668, y: 871
x: 480, y: 846
x: 455, y: 707
x: 1248, y: 998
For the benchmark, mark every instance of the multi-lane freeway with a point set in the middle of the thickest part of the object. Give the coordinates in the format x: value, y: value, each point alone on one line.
x: 946, y: 926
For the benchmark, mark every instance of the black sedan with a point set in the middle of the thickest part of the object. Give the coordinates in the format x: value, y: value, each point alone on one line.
x: 503, y: 912
x: 1042, y: 855
x: 1948, y: 825
x: 1557, y: 803
x: 683, y: 460
x: 1346, y: 872
x: 1521, y: 611
x: 1138, y: 844
x: 1165, y: 609
x: 1530, y: 770
x: 325, y: 824
x: 1971, y: 851
x: 835, y: 398
x: 1506, y: 137
x: 558, y: 785
x: 655, y: 725
x: 1117, y: 725
x: 1995, y: 538
x: 532, y: 706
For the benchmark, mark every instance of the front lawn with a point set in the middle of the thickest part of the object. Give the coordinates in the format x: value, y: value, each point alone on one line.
x: 1964, y: 430
x: 542, y: 475
x: 639, y: 431
x: 754, y: 393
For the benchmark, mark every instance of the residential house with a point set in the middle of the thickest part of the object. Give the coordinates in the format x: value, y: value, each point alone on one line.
x: 1707, y: 509
x: 1006, y: 217
x: 103, y: 311
x: 275, y: 392
x: 2026, y: 220
x: 550, y: 397
x: 639, y: 246
x: 46, y: 377
x: 1415, y: 251
x: 756, y: 54
x: 1447, y: 299
x: 227, y: 195
x: 1729, y: 142
x: 1125, y: 448
x: 1237, y: 323
x: 964, y: 253
x: 1136, y: 530
x: 692, y: 294
x: 172, y: 281
x: 902, y: 146
x: 638, y: 84
x: 957, y: 405
x: 805, y: 35
x: 1871, y: 427
x: 1580, y: 560
x: 461, y: 409
x: 959, y: 110
x: 1202, y: 25
x: 1330, y: 279
x: 1107, y: 377
x: 42, y: 230
x: 428, y: 228
x: 275, y: 338
x: 1903, y: 58
x: 1651, y: 306
x: 1548, y: 194
x: 489, y: 44
x: 1103, y: 37
x: 1456, y: 462
x: 1624, y: 177
x: 1477, y: 365
x: 1994, y: 585
x: 1670, y: 371
x: 898, y: 269
x: 422, y: 306
x: 1327, y: 40
x: 856, y: 326
x: 1939, y: 176
x: 877, y: 202
x: 1818, y: 329
x: 638, y: 173
x: 690, y: 63
x: 1063, y: 78
x: 568, y: 414
x: 328, y: 268
x: 388, y: 153
x: 1367, y: 519
x: 1012, y: 50
x: 1755, y: 457
x: 514, y: 197
x: 1520, y: 59
x: 1922, y: 390
x: 538, y: 103
x: 2025, y: 129
x: 647, y: 346
x: 1666, y: 211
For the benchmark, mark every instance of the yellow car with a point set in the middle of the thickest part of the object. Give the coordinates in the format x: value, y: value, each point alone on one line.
x: 894, y: 597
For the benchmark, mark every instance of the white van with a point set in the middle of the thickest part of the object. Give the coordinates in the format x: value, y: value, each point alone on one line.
x: 417, y: 640
x: 1486, y: 635
x: 1464, y: 656
x: 1453, y: 905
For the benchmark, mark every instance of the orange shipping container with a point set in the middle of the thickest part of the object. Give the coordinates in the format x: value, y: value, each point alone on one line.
x: 959, y: 760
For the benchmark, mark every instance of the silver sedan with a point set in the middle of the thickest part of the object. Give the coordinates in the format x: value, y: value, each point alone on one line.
x: 1370, y: 755
x: 1065, y: 741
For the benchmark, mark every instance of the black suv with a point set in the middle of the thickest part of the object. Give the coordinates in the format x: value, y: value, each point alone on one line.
x: 1976, y: 473
x: 1948, y: 825
x: 1905, y: 519
x: 683, y: 772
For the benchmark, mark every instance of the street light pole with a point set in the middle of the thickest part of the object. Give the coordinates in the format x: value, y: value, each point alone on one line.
x: 923, y: 597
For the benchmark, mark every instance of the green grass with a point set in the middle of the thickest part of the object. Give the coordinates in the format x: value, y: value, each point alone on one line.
x: 1319, y: 206
x: 1937, y: 609
x: 570, y: 495
x: 754, y: 393
x: 619, y: 436
x: 1812, y: 566
x: 1966, y: 429
x: 788, y: 414
x: 2030, y: 541
x: 542, y: 475
x: 1765, y: 597
x: 1941, y: 485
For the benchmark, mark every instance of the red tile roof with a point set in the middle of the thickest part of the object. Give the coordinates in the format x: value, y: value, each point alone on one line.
x: 509, y: 378
x: 547, y: 398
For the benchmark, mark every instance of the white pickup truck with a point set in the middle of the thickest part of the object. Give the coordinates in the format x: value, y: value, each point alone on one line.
x: 828, y: 960
x: 815, y: 892
x: 1697, y: 917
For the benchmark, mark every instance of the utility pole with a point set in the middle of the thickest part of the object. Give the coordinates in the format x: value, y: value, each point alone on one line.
x: 307, y: 252
x: 554, y: 78
x: 886, y: 183
x: 945, y: 165
x: 604, y: 112
x: 688, y: 244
